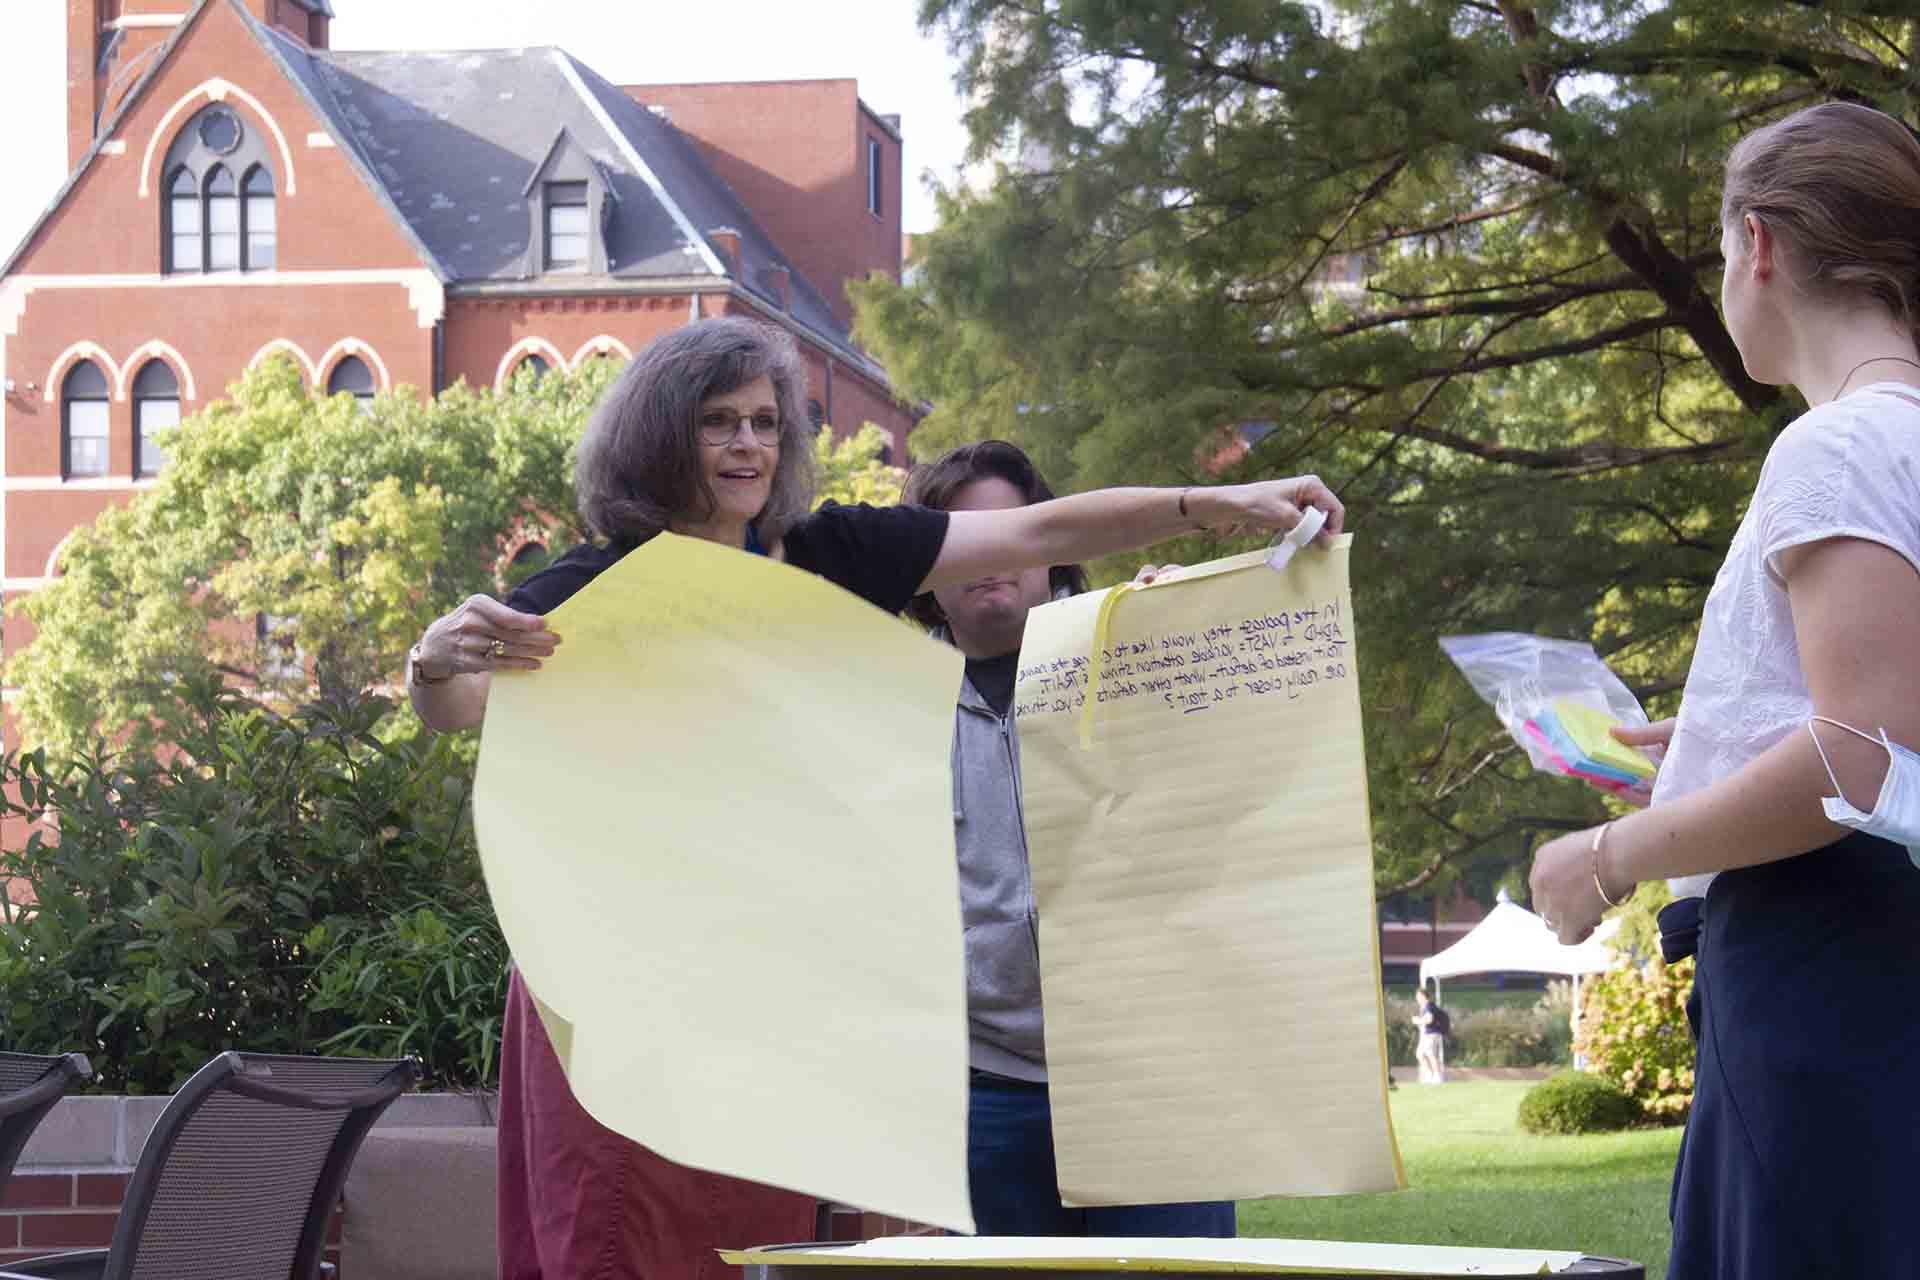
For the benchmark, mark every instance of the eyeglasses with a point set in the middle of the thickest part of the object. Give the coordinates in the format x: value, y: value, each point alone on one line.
x: 718, y: 427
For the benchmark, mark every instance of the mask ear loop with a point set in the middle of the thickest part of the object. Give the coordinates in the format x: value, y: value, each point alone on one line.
x: 1839, y: 791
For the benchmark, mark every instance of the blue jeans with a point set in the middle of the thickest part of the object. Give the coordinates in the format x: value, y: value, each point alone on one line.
x: 1015, y: 1189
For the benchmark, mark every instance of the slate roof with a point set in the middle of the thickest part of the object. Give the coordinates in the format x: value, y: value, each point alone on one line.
x: 451, y: 139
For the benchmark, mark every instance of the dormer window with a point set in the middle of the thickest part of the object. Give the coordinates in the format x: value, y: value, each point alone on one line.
x: 570, y: 199
x: 569, y: 243
x: 220, y: 212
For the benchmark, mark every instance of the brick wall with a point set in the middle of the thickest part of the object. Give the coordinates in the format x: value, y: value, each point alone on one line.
x: 43, y: 1213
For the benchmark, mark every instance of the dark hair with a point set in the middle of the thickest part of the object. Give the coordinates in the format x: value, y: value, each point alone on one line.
x: 639, y: 464
x: 935, y: 484
x: 1839, y: 184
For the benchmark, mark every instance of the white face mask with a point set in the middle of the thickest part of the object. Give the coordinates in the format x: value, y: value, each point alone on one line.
x: 1896, y: 814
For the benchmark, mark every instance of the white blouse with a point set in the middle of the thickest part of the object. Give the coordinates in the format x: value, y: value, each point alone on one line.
x: 1847, y: 469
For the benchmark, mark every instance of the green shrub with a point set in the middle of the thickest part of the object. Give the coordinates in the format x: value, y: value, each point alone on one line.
x: 283, y: 884
x: 1501, y: 1037
x: 1633, y: 1030
x: 1554, y: 1008
x: 1577, y: 1102
x: 1402, y: 1036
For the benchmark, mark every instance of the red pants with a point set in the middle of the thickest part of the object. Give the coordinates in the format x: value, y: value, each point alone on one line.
x: 580, y: 1202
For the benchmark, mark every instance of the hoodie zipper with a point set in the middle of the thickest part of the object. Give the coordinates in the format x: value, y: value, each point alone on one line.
x: 1020, y: 825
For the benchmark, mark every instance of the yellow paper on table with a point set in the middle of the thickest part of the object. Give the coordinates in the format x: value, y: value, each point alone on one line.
x: 1250, y: 1256
x: 1204, y: 878
x: 717, y: 827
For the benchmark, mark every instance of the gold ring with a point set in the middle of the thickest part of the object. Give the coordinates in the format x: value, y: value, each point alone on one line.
x: 497, y: 650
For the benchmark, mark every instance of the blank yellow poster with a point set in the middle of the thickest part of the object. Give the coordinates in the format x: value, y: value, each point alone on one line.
x: 717, y: 827
x: 1196, y: 810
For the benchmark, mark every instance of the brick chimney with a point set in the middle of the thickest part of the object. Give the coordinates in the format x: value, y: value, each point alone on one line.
x: 307, y: 21
x: 110, y: 45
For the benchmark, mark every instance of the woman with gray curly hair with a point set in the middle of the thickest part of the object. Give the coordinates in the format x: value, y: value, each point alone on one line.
x: 703, y: 435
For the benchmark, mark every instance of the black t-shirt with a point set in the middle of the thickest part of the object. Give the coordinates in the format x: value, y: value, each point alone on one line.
x: 994, y: 677
x: 881, y: 554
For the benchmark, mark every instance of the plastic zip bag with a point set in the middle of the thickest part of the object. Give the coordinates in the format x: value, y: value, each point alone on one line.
x: 1557, y: 700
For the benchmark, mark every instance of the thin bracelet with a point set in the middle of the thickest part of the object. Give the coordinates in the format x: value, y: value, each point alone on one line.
x: 1599, y: 837
x: 1183, y: 503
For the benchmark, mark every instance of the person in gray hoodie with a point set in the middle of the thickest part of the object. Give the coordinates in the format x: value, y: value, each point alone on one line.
x: 1010, y: 1161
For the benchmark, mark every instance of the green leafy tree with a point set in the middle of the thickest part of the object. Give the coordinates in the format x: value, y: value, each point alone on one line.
x: 850, y: 470
x: 294, y: 546
x: 1458, y: 258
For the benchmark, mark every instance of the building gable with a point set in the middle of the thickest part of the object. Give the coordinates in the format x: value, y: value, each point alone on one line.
x: 108, y: 219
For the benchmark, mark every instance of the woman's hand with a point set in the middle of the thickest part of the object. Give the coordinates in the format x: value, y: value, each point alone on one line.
x: 1148, y: 574
x: 1658, y: 735
x: 481, y: 634
x: 1564, y: 893
x: 1269, y: 504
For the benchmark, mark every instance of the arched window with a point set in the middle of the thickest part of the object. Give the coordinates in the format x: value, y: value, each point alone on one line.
x: 352, y: 377
x: 223, y: 220
x: 156, y: 404
x: 220, y: 210
x: 83, y: 421
x: 262, y: 225
x: 183, y: 222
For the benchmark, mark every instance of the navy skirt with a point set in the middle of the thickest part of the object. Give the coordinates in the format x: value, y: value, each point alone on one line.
x: 1802, y: 1152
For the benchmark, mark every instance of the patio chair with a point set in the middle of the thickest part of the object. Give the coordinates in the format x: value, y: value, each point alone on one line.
x: 30, y: 1085
x: 241, y: 1172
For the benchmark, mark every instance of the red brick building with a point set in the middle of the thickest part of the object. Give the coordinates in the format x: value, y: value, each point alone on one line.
x: 238, y: 189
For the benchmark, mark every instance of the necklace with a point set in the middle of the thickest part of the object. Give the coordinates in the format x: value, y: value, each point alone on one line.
x: 1864, y: 363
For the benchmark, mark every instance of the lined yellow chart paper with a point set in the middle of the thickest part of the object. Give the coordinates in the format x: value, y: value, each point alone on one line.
x: 1270, y: 1257
x: 717, y: 827
x: 1196, y: 810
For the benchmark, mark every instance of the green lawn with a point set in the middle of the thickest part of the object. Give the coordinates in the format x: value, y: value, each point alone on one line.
x: 1475, y: 1179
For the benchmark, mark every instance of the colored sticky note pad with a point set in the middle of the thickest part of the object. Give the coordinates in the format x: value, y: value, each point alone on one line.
x: 1556, y: 748
x: 1587, y: 726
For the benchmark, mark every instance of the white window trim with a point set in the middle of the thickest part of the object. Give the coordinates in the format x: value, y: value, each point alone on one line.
x: 599, y: 345
x: 293, y: 349
x: 154, y: 348
x: 215, y: 90
x: 520, y: 351
x: 339, y: 351
x: 64, y: 362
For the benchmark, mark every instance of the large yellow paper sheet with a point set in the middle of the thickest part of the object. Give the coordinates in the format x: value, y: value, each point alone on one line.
x: 1256, y: 1257
x: 717, y: 827
x: 1202, y: 864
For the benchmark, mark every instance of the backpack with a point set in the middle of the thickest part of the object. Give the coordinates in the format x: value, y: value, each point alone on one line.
x: 1438, y: 1023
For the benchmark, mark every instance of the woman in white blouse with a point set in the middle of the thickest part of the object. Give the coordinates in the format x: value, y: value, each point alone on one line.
x: 1802, y: 1153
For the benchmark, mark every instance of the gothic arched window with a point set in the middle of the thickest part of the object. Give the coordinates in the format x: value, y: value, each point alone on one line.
x: 220, y: 209
x: 83, y: 422
x: 156, y: 404
x: 352, y: 377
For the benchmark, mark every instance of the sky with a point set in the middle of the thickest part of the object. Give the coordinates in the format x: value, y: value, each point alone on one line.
x: 875, y: 42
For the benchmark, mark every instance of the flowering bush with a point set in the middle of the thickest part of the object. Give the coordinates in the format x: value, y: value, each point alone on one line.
x: 1633, y: 1031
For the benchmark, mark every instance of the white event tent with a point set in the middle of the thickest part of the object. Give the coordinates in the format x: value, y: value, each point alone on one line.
x: 1513, y: 939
